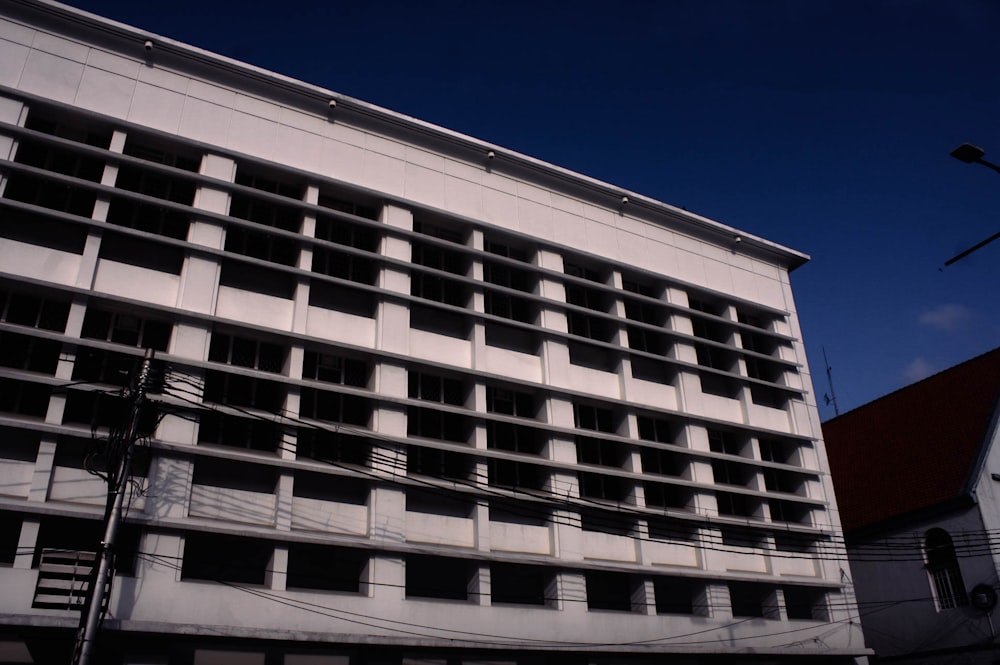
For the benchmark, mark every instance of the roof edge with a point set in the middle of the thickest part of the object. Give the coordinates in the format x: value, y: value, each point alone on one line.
x: 783, y: 255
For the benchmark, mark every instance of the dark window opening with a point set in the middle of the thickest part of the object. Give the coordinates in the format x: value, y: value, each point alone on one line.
x: 610, y: 591
x: 507, y: 249
x: 340, y: 298
x: 105, y: 367
x: 342, y: 203
x: 725, y: 472
x: 438, y: 502
x: 10, y: 534
x: 335, y: 407
x: 234, y: 475
x: 22, y: 398
x: 738, y: 505
x: 432, y: 388
x: 607, y: 488
x: 34, y: 229
x: 750, y: 599
x: 519, y: 513
x: 520, y: 584
x: 611, y: 523
x: 675, y: 595
x: 510, y: 402
x: 331, y: 368
x: 435, y: 463
x: 126, y: 329
x: 663, y: 462
x: 662, y: 495
x: 244, y: 391
x: 222, y: 558
x: 238, y: 432
x: 806, y: 603
x: 768, y: 396
x: 249, y: 353
x: 508, y: 473
x: 93, y: 455
x: 514, y: 438
x: 724, y: 441
x: 673, y: 531
x: 141, y: 252
x: 439, y: 321
x: 29, y: 353
x: 434, y: 424
x: 332, y: 447
x: 780, y: 451
x: 327, y: 487
x: 246, y: 277
x: 776, y: 480
x: 601, y: 452
x: 512, y: 338
x: 19, y: 444
x: 26, y: 309
x: 318, y: 567
x: 97, y: 410
x: 738, y: 537
x: 437, y: 577
x: 361, y: 269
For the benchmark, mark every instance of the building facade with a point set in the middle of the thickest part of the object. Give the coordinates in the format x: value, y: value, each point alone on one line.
x: 421, y: 398
x: 918, y: 472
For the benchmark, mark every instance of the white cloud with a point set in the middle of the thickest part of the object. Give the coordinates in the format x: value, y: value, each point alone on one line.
x: 947, y: 318
x: 917, y: 369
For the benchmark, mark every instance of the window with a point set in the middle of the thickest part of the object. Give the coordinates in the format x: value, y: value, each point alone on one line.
x: 345, y: 203
x: 222, y: 558
x: 250, y: 353
x: 943, y: 570
x: 230, y: 474
x: 521, y: 585
x: 433, y: 423
x: 29, y: 353
x: 750, y: 599
x: 723, y: 441
x: 595, y: 418
x: 510, y: 402
x: 326, y: 568
x: 327, y: 487
x: 25, y: 309
x: 508, y: 473
x: 438, y: 577
x: 610, y: 591
x: 738, y: 505
x: 334, y: 407
x: 664, y: 462
x: 332, y: 447
x: 150, y: 217
x: 127, y: 329
x: 52, y: 194
x: 10, y: 533
x: 331, y: 368
x: 663, y: 495
x: 22, y: 398
x: 725, y: 472
x: 676, y: 595
x: 354, y: 267
x: 436, y: 463
x: 806, y: 603
x: 238, y: 432
x: 436, y: 287
x: 261, y: 244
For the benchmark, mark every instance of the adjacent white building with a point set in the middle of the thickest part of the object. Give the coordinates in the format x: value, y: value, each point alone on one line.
x: 426, y: 399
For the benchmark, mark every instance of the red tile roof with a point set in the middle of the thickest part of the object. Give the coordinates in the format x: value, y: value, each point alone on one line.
x: 914, y: 448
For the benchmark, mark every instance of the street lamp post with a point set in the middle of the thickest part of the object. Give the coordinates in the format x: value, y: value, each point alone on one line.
x: 971, y: 154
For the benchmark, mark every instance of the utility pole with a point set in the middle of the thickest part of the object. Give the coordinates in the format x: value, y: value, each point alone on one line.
x: 118, y: 480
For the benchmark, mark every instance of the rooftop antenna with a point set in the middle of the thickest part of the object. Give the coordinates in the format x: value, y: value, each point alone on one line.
x: 830, y: 398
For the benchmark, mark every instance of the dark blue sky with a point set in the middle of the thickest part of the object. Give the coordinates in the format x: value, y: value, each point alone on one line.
x: 821, y: 125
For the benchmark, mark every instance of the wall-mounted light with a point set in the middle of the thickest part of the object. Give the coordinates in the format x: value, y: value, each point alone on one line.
x: 491, y: 155
x: 148, y: 45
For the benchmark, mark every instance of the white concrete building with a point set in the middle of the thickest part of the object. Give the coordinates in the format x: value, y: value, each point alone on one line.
x: 426, y: 399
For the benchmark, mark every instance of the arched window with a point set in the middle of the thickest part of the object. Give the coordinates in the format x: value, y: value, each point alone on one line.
x: 943, y: 570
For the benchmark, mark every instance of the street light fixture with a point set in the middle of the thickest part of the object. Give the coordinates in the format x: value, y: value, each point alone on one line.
x: 972, y: 154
